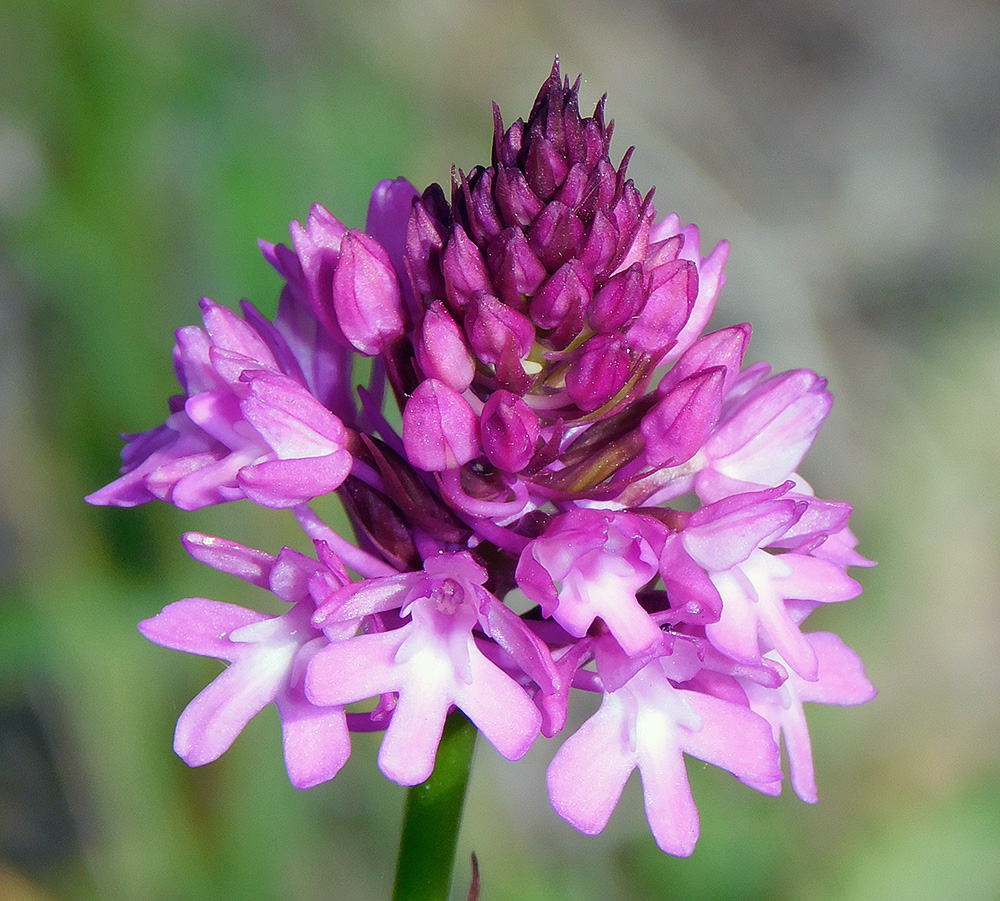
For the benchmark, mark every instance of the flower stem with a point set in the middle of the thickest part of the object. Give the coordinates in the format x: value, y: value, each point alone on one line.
x: 432, y: 818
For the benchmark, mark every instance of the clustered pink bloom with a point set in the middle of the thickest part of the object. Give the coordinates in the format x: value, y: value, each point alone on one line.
x: 586, y: 491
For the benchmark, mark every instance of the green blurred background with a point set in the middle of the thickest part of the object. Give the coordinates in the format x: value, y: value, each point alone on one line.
x: 848, y: 150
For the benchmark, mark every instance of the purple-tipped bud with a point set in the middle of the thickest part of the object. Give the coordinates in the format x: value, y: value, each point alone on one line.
x: 366, y: 294
x: 599, y: 372
x: 464, y: 269
x: 517, y: 272
x: 518, y: 204
x: 724, y: 348
x: 426, y: 234
x: 556, y: 235
x: 618, y: 302
x: 494, y: 330
x: 441, y: 350
x: 672, y: 292
x: 509, y: 429
x: 561, y: 303
x: 682, y: 420
x: 440, y: 428
x: 317, y: 246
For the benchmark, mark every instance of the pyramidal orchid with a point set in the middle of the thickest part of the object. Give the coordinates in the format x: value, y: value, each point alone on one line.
x: 586, y: 492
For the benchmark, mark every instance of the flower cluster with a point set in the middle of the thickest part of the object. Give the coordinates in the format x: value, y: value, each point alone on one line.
x: 554, y: 478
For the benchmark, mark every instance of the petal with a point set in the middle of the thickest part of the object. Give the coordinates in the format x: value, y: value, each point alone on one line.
x: 200, y: 626
x: 589, y: 771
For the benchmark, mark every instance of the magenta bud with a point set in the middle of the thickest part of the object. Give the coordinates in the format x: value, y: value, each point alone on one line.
x: 556, y: 235
x: 724, y: 348
x: 475, y: 200
x: 517, y: 272
x: 682, y: 420
x: 494, y: 329
x: 599, y: 372
x: 618, y: 302
x: 388, y: 216
x: 601, y: 244
x: 517, y: 202
x: 441, y: 350
x: 546, y: 165
x: 366, y: 294
x: 317, y: 246
x: 426, y: 233
x: 561, y: 302
x: 464, y: 268
x: 673, y: 288
x: 440, y: 428
x: 509, y: 429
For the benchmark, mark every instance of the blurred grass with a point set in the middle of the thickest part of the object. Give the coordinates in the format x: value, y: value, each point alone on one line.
x: 143, y: 150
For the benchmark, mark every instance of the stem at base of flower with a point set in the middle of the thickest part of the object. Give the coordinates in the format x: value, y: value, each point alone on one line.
x: 432, y: 817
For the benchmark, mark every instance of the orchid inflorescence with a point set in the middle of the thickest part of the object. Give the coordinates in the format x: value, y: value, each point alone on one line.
x: 555, y: 481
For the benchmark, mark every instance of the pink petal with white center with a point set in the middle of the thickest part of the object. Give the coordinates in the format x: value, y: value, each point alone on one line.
x: 840, y: 680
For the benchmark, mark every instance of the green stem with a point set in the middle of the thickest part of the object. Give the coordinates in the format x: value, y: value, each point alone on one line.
x: 432, y: 818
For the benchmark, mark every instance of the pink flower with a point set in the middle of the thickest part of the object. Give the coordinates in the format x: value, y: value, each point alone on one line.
x: 599, y: 560
x: 432, y: 662
x: 244, y: 429
x: 650, y: 724
x: 268, y: 657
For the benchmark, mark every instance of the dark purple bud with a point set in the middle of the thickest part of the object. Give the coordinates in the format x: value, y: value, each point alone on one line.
x: 596, y: 138
x: 556, y: 235
x: 680, y: 423
x: 607, y: 183
x: 599, y: 372
x: 506, y: 146
x: 561, y: 302
x: 618, y: 301
x: 672, y: 292
x: 494, y: 328
x: 517, y: 203
x: 474, y: 205
x: 366, y: 294
x: 509, y: 429
x: 601, y: 245
x: 440, y: 429
x: 545, y: 166
x: 381, y: 522
x: 441, y: 350
x: 426, y: 234
x: 464, y: 268
x: 626, y: 212
x: 517, y: 272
